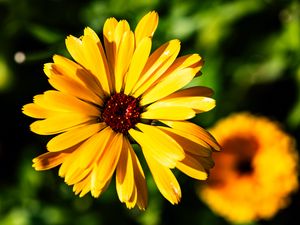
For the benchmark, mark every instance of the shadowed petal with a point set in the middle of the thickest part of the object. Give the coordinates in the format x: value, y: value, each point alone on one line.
x: 192, y: 167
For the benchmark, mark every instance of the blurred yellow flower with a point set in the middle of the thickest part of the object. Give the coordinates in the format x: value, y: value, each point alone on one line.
x: 117, y: 94
x: 255, y: 172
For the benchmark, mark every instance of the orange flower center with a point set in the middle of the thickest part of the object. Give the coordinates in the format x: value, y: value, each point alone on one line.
x: 121, y: 112
x: 243, y: 149
x: 236, y: 159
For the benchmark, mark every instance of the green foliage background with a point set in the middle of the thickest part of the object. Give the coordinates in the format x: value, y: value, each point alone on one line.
x: 252, y: 53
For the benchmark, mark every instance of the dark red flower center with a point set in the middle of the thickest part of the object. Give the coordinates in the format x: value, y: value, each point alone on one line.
x: 121, y: 112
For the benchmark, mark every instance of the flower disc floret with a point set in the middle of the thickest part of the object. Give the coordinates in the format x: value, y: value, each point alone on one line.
x: 121, y: 112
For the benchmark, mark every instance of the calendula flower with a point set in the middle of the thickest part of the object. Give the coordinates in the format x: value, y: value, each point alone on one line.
x: 118, y: 94
x: 255, y: 172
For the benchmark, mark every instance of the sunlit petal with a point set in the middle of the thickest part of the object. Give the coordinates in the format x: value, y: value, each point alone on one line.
x: 164, y: 179
x: 199, y: 104
x: 137, y: 64
x: 158, y: 62
x: 123, y: 59
x: 189, y: 143
x: 71, y: 87
x: 146, y: 27
x: 190, y: 92
x: 67, y: 68
x: 107, y: 163
x: 168, y: 85
x: 195, y: 130
x: 193, y: 168
x: 162, y: 147
x: 60, y: 123
x: 125, y: 175
x: 73, y: 137
x: 36, y: 111
x: 169, y: 113
x: 62, y: 102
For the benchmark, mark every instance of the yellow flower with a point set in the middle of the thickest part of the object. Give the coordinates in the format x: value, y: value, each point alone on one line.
x: 255, y: 172
x: 112, y: 96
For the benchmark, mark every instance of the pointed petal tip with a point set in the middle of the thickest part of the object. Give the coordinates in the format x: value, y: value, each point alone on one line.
x: 55, y: 56
x: 154, y: 15
x: 175, y: 42
x: 218, y: 147
x: 88, y: 31
x: 23, y: 109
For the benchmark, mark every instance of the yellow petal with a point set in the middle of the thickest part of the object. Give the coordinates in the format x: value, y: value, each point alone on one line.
x: 74, y: 46
x: 188, y: 142
x: 66, y: 67
x: 110, y: 46
x: 186, y: 135
x: 60, y: 123
x: 131, y: 202
x: 71, y: 87
x: 157, y: 64
x: 49, y: 160
x: 78, y: 187
x: 187, y: 61
x: 88, y: 31
x: 76, y: 174
x: 139, y: 194
x: 146, y: 27
x: 36, y: 111
x: 67, y: 163
x: 123, y: 58
x: 137, y: 64
x: 121, y: 28
x: 48, y: 69
x: 199, y: 104
x: 95, y: 187
x: 192, y: 62
x: 191, y: 167
x: 125, y: 175
x: 63, y: 66
x: 140, y: 181
x: 134, y: 190
x: 70, y: 169
x: 94, y: 147
x: 62, y: 102
x: 168, y: 85
x: 84, y: 186
x: 169, y: 113
x: 190, y: 92
x: 73, y: 137
x: 164, y: 179
x: 161, y: 146
x: 109, y: 29
x: 107, y: 163
x: 87, y: 54
x: 195, y: 130
x: 97, y: 58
